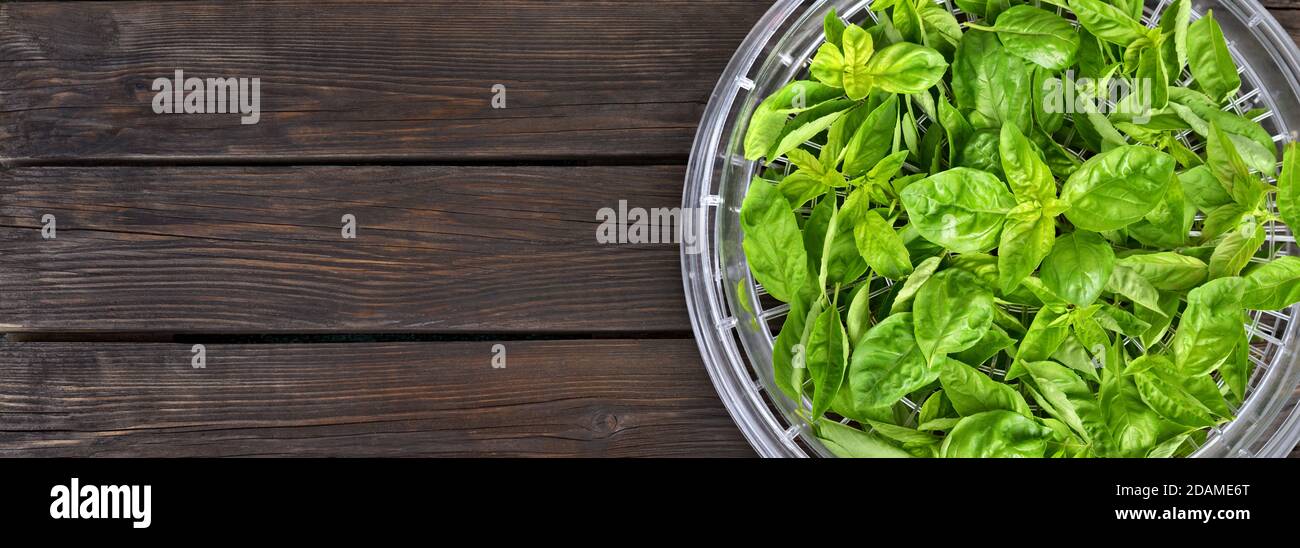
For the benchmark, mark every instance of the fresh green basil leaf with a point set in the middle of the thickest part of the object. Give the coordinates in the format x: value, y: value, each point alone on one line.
x: 807, y: 125
x: 1027, y: 174
x: 953, y: 312
x: 922, y: 274
x: 887, y: 364
x: 1288, y: 189
x: 858, y: 320
x: 961, y: 209
x: 841, y: 263
x: 1174, y: 23
x: 972, y: 392
x: 1134, y: 427
x: 1131, y: 285
x: 1049, y: 110
x: 784, y: 349
x: 1121, y: 321
x: 828, y: 65
x: 1107, y: 22
x: 936, y: 407
x: 1068, y: 397
x: 1117, y: 188
x: 905, y: 68
x: 1169, y: 448
x: 766, y: 124
x: 873, y: 140
x: 1209, y: 327
x: 1211, y: 62
x: 881, y: 246
x: 995, y: 86
x: 941, y: 29
x: 859, y: 50
x: 1079, y: 267
x: 1027, y: 238
x: 1230, y: 169
x: 1203, y: 188
x: 1160, y: 320
x: 1046, y: 333
x: 1273, y: 286
x: 827, y: 357
x: 1038, y: 36
x: 996, y: 434
x: 1236, y: 250
x: 1168, y: 225
x: 1237, y: 369
x: 994, y: 341
x: 1171, y: 400
x: 772, y: 243
x: 848, y: 442
x: 834, y: 27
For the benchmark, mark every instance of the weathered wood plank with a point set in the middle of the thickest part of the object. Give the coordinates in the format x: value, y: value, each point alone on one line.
x: 365, y: 80
x: 557, y: 398
x: 259, y: 250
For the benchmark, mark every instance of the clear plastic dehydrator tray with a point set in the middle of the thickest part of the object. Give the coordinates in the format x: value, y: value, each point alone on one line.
x: 736, y: 332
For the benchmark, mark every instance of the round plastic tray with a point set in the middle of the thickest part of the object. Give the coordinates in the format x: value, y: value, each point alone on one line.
x: 735, y: 331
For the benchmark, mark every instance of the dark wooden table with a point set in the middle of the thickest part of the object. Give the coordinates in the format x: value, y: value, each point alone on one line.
x: 476, y: 227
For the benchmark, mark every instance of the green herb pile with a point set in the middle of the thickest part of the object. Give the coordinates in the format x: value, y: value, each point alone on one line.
x: 971, y: 272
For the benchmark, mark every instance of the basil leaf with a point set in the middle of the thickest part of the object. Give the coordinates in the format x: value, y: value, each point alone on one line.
x: 1273, y: 286
x: 904, y: 68
x: 881, y: 246
x: 858, y: 51
x: 1065, y: 395
x: 996, y: 434
x: 784, y: 349
x: 887, y: 364
x: 1172, y: 401
x: 1203, y: 189
x: 807, y: 125
x: 952, y: 313
x: 1174, y: 23
x: 1128, y: 283
x: 841, y: 263
x: 1115, y: 189
x: 995, y: 86
x: 1288, y: 190
x: 1049, y: 329
x: 1209, y: 327
x: 1038, y: 36
x: 828, y: 65
x: 828, y: 352
x: 972, y: 392
x: 1079, y: 267
x: 994, y: 341
x: 834, y: 28
x: 851, y: 443
x: 1211, y: 62
x: 858, y: 320
x: 1230, y: 169
x: 770, y: 117
x: 1134, y: 427
x: 1107, y: 22
x: 873, y: 140
x: 961, y: 209
x: 919, y: 277
x: 1237, y: 249
x: 1027, y: 238
x: 1027, y: 174
x: 772, y: 242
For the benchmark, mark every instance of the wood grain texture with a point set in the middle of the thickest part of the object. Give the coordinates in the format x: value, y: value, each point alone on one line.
x: 366, y: 80
x: 571, y: 398
x: 259, y: 250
